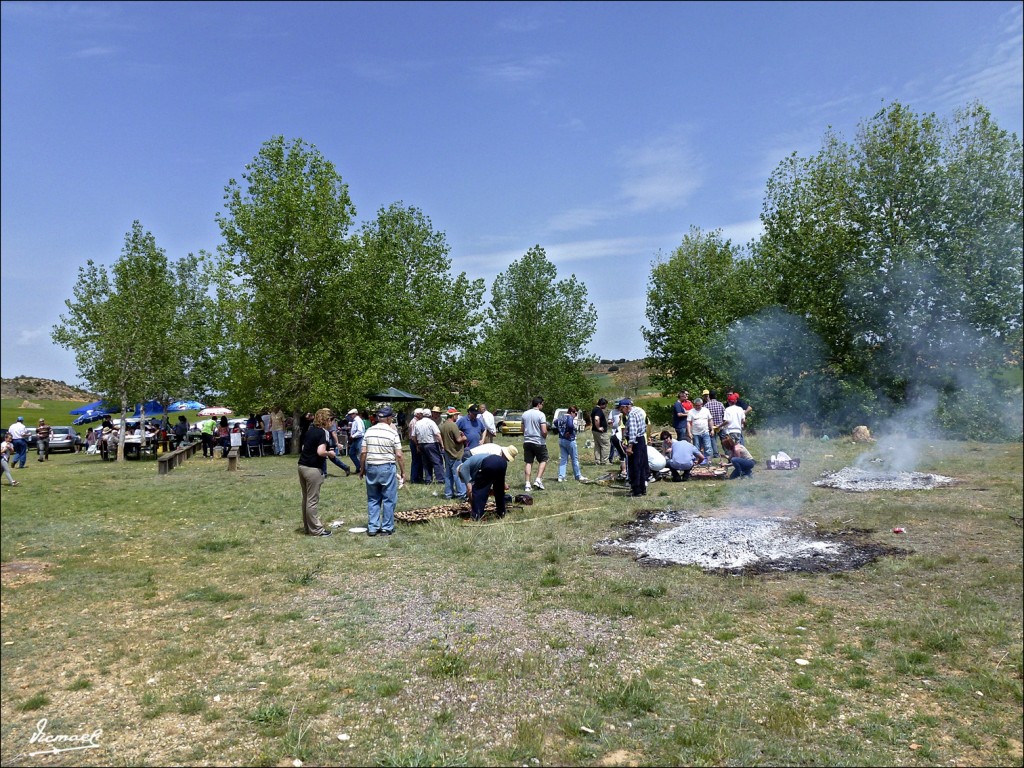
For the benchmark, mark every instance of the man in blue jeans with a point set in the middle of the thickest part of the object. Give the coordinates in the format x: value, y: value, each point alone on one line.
x: 381, y: 465
x: 355, y: 437
x: 567, y: 450
x: 18, y: 432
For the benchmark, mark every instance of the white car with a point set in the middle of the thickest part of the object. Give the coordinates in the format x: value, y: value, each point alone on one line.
x: 581, y: 424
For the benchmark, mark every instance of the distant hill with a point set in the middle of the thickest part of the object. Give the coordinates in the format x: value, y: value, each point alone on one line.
x: 32, y: 388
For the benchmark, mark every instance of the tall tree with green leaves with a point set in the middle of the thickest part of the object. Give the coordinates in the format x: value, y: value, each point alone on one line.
x: 692, y: 296
x: 286, y: 242
x: 133, y: 330
x: 535, y: 336
x: 903, y: 250
x: 409, y: 318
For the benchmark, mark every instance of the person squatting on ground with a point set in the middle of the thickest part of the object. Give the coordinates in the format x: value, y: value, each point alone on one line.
x: 535, y: 447
x: 382, y: 466
x: 17, y: 431
x: 567, y: 449
x: 740, y: 458
x: 635, y: 438
x: 43, y: 432
x: 599, y: 429
x: 680, y: 456
x: 484, y: 473
x: 453, y: 445
x: 6, y: 452
x: 313, y: 456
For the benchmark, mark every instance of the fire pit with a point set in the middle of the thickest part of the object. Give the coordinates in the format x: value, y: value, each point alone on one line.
x: 741, y: 545
x: 861, y: 480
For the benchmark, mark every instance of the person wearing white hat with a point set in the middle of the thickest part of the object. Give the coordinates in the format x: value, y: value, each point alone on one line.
x: 415, y: 461
x: 427, y: 436
x: 17, y: 431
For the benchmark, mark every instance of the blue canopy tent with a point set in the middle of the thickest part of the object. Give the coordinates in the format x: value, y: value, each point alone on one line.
x: 99, y: 405
x: 150, y: 408
x: 92, y: 415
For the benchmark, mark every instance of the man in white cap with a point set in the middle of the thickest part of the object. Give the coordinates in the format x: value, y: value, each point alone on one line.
x: 382, y: 466
x: 484, y: 472
x: 428, y: 442
x: 415, y: 463
x: 17, y: 431
x: 356, y: 430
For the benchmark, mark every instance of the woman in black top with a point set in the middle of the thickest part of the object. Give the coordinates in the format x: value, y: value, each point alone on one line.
x: 316, y: 449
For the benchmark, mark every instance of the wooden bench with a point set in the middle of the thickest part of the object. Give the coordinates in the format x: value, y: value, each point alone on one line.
x: 168, y: 461
x: 232, y: 460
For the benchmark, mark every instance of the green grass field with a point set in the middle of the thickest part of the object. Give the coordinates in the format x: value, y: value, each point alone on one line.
x: 186, y: 617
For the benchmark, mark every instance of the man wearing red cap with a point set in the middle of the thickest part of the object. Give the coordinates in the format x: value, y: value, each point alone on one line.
x: 733, y: 419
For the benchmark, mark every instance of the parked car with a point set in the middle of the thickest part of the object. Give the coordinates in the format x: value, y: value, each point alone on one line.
x: 30, y: 437
x: 509, y: 422
x: 64, y: 439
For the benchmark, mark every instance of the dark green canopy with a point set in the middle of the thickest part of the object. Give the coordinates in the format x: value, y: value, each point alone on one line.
x: 392, y: 395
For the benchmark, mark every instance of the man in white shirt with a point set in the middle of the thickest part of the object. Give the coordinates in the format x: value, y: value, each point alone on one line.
x: 490, y: 430
x: 356, y: 430
x: 18, y: 430
x: 427, y: 436
x: 733, y: 420
x: 699, y: 423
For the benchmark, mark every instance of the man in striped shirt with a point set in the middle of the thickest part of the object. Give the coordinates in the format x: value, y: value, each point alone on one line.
x: 382, y: 466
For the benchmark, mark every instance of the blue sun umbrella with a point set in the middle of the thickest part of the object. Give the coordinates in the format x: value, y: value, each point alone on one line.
x: 186, y: 405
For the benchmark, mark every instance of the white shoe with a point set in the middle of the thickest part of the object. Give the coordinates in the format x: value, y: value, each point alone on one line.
x: 529, y: 487
x: 582, y: 479
x: 561, y: 479
x: 539, y: 484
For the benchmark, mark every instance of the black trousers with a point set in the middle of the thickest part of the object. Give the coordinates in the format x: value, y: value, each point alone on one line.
x: 638, y: 468
x: 489, y: 475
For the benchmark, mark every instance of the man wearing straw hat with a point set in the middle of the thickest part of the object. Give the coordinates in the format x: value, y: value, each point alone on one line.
x: 481, y: 473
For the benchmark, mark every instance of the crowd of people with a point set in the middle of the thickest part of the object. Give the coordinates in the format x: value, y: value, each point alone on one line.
x: 452, y: 449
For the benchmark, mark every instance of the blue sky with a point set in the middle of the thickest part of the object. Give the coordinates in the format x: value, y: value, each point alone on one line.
x: 600, y: 131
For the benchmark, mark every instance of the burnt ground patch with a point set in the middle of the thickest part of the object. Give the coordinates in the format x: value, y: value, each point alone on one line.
x: 743, y: 545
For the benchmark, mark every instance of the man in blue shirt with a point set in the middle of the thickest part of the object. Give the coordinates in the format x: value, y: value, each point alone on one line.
x: 681, y: 455
x: 472, y: 427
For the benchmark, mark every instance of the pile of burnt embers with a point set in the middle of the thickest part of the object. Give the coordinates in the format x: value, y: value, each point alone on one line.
x: 733, y: 544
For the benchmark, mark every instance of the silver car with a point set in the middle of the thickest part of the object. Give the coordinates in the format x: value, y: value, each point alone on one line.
x: 64, y: 439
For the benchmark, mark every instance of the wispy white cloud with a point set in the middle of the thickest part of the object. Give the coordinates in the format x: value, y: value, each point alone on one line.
x: 742, y: 232
x: 661, y: 174
x: 994, y: 75
x: 96, y: 51
x: 625, y: 249
x: 517, y: 71
x: 30, y: 337
x: 388, y: 71
x: 518, y: 24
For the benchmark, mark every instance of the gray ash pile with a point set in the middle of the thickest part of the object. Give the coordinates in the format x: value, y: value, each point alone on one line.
x: 860, y: 480
x: 740, y: 544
